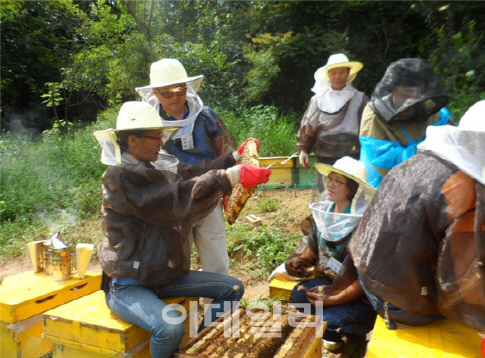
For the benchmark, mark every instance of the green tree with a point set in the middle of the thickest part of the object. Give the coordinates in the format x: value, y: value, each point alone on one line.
x: 37, y: 40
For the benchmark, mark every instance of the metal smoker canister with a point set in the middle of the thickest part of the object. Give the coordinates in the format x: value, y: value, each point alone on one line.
x: 57, y: 262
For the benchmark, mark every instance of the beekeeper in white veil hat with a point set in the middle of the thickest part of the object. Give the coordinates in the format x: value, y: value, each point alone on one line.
x: 148, y: 214
x: 167, y: 73
x: 200, y: 136
x: 330, y: 125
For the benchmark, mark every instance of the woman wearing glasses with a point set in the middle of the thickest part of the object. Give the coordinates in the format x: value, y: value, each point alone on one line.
x: 150, y: 202
x: 323, y: 248
x: 200, y: 136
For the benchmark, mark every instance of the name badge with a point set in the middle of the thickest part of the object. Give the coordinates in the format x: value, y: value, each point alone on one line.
x: 187, y: 142
x: 334, y: 265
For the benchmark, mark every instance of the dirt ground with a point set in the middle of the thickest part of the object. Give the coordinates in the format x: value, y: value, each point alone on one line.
x: 292, y: 207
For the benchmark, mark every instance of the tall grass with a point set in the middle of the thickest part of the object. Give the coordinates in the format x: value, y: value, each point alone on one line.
x: 48, y: 182
x: 276, y: 131
x: 52, y: 181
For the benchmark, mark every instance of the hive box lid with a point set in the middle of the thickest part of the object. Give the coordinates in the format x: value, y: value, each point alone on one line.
x: 89, y: 324
x: 442, y: 338
x: 26, y: 294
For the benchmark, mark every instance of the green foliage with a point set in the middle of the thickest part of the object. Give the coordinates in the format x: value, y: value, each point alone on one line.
x: 50, y: 182
x: 266, y: 245
x: 262, y: 57
x: 268, y: 205
x: 283, y: 62
x: 457, y: 59
x: 276, y: 131
x: 113, y: 62
x: 37, y: 40
x: 52, y: 96
x: 219, y: 86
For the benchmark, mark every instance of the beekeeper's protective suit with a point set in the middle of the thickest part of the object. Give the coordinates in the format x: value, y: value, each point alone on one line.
x: 420, y: 245
x: 404, y: 103
x: 150, y: 202
x: 330, y: 126
x: 200, y: 136
x: 323, y: 247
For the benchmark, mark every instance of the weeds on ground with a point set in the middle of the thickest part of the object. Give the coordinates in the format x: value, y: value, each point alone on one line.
x: 268, y: 205
x: 267, y: 246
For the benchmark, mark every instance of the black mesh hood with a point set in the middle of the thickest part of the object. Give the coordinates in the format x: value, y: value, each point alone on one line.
x: 409, y: 92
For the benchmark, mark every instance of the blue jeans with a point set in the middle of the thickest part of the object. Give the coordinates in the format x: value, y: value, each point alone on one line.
x: 352, y: 320
x: 143, y: 305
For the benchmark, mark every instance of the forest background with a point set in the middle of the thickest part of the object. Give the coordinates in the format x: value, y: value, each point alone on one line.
x: 67, y: 65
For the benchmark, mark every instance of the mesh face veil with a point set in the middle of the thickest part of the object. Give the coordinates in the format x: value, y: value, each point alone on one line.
x: 408, y: 92
x: 133, y: 116
x: 194, y: 102
x: 335, y: 226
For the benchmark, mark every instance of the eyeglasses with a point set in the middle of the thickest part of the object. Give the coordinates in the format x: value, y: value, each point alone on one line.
x: 179, y: 91
x: 334, y: 181
x: 160, y: 139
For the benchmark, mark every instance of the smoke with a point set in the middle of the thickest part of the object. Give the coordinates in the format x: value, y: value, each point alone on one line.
x: 59, y: 220
x: 29, y: 121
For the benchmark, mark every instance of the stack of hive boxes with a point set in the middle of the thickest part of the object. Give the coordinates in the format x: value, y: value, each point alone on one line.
x: 24, y: 297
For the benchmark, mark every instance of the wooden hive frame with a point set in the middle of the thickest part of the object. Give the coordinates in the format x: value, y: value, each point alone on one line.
x: 252, y: 341
x: 240, y: 195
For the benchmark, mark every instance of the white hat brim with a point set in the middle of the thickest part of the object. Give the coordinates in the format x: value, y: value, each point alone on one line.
x: 326, y: 169
x: 322, y: 73
x: 195, y: 79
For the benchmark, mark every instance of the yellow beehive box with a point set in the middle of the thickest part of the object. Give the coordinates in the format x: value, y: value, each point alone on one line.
x: 281, y: 174
x: 438, y: 339
x: 87, y: 328
x: 280, y: 288
x: 27, y: 294
x: 23, y: 339
x: 23, y: 299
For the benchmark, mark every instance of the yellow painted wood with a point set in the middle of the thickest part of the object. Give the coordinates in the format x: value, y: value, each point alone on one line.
x: 23, y: 339
x: 281, y: 174
x: 439, y: 339
x: 280, y: 288
x: 26, y: 294
x: 65, y: 351
x: 314, y: 347
x: 87, y: 324
x: 9, y: 345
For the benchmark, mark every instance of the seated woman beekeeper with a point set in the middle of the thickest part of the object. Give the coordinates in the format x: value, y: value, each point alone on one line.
x: 150, y: 202
x: 322, y: 250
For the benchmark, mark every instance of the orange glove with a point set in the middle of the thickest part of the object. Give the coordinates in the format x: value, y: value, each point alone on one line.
x: 251, y: 176
x: 243, y: 145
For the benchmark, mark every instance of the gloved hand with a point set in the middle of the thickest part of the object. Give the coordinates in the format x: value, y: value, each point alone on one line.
x: 252, y: 176
x: 280, y: 271
x: 248, y: 175
x: 304, y: 158
x: 243, y: 145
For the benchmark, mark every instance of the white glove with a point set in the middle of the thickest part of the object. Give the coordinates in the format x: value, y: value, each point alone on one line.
x: 304, y: 158
x: 280, y: 271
